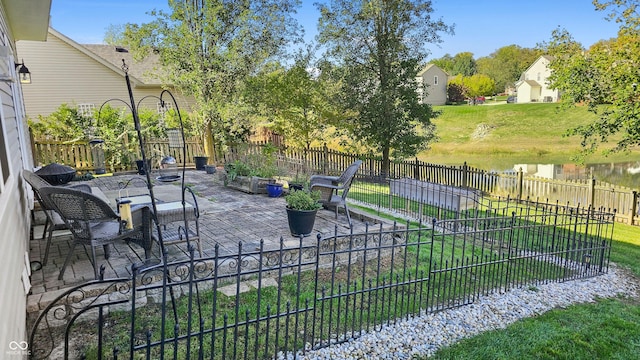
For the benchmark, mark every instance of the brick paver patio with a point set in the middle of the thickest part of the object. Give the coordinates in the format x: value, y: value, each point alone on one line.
x: 227, y: 217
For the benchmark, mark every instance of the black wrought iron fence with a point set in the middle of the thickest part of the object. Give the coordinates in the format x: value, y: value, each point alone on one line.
x: 260, y: 302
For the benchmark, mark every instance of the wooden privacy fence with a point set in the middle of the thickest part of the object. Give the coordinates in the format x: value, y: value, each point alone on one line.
x: 78, y: 154
x: 322, y: 160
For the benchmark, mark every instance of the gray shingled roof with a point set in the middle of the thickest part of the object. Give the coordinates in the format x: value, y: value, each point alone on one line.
x: 147, y: 70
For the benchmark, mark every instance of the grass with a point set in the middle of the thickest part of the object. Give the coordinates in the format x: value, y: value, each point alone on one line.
x: 443, y: 289
x: 600, y: 330
x: 516, y: 133
x: 608, y: 329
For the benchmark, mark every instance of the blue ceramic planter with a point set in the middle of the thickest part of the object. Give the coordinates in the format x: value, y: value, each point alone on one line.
x: 274, y: 190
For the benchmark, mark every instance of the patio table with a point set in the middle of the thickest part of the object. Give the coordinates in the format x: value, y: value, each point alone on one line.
x: 167, y: 213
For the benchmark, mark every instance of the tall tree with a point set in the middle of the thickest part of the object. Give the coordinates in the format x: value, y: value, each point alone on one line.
x: 445, y: 63
x: 506, y: 64
x: 605, y: 78
x: 211, y: 47
x: 294, y: 101
x: 378, y: 45
x: 463, y: 64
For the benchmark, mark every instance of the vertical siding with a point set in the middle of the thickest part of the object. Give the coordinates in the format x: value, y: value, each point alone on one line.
x: 14, y: 221
x: 60, y: 73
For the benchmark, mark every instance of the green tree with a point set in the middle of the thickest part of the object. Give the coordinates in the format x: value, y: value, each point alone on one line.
x: 605, y: 78
x: 479, y: 85
x: 378, y: 46
x: 464, y: 64
x: 445, y: 63
x: 471, y: 86
x: 210, y: 48
x: 293, y: 101
x: 506, y: 64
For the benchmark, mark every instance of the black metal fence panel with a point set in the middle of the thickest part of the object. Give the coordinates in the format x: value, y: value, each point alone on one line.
x: 259, y: 302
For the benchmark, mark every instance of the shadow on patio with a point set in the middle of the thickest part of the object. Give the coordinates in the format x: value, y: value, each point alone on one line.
x: 227, y: 217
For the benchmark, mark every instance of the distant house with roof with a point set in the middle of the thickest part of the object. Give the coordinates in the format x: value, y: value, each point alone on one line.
x: 435, y: 79
x: 533, y: 85
x: 64, y: 71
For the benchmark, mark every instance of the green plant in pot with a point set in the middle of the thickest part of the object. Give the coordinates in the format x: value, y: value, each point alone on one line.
x: 302, y: 206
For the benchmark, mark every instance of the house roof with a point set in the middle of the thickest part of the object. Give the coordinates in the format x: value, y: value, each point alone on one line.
x: 145, y: 70
x: 532, y: 83
x: 142, y: 74
x: 549, y: 58
x: 28, y: 20
x: 429, y: 66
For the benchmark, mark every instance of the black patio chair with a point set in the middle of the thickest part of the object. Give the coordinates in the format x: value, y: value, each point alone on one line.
x: 334, y: 189
x: 53, y: 221
x: 93, y: 222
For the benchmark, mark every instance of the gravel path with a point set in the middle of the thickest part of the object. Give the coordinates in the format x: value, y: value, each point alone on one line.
x: 424, y: 335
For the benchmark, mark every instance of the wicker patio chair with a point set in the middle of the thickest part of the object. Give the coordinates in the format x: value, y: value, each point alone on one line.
x: 334, y: 189
x: 93, y: 222
x: 53, y: 221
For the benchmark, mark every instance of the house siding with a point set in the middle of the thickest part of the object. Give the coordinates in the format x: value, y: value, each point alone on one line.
x: 436, y: 93
x: 539, y: 72
x: 15, y: 205
x: 68, y: 75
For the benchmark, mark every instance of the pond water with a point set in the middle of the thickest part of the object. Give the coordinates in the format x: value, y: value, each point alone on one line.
x: 623, y: 173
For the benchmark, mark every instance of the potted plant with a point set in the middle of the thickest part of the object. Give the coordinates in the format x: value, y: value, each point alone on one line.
x: 253, y: 172
x: 274, y: 189
x: 302, y: 206
x: 299, y: 182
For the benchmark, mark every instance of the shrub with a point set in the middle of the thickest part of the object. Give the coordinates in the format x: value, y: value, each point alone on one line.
x: 303, y: 200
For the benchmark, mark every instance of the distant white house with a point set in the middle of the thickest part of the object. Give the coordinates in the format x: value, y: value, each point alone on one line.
x: 533, y: 85
x: 435, y: 80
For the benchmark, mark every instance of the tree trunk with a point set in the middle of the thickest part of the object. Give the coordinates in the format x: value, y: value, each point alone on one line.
x: 208, y: 143
x: 384, y: 171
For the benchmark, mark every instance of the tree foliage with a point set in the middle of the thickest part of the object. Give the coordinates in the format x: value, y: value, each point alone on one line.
x: 463, y: 64
x: 605, y: 78
x: 293, y: 101
x: 377, y: 46
x: 506, y: 64
x: 471, y: 87
x: 111, y: 124
x: 210, y: 48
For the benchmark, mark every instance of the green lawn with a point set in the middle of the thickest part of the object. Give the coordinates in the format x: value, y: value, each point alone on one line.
x: 609, y: 329
x: 514, y: 133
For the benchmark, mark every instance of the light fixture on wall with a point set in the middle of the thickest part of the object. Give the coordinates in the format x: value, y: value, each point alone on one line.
x: 24, y: 75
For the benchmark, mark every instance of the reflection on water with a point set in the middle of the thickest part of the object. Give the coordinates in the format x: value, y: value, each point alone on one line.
x: 624, y: 174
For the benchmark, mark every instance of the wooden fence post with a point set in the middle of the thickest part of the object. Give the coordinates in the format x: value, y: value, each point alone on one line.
x: 592, y: 191
x: 325, y: 158
x: 520, y: 184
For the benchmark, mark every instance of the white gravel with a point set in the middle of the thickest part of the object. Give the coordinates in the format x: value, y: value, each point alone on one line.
x: 425, y: 334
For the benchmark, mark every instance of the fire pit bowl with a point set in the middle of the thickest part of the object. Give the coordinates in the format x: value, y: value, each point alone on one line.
x: 57, y: 174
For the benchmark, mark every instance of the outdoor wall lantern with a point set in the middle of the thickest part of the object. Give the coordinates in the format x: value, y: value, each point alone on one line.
x: 23, y: 73
x: 6, y: 75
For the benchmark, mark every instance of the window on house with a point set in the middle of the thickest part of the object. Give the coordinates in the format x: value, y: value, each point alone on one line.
x: 538, y: 76
x: 86, y: 110
x: 435, y: 80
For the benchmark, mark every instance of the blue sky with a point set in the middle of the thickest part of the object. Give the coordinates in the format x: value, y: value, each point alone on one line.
x: 481, y: 26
